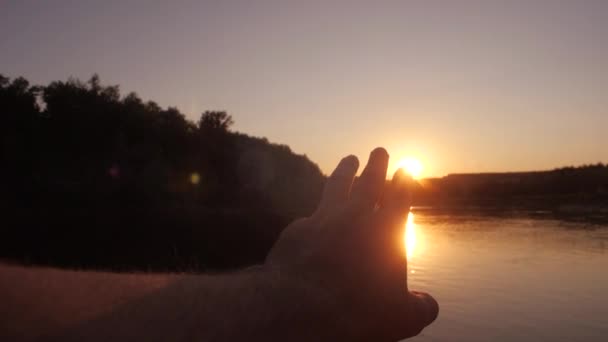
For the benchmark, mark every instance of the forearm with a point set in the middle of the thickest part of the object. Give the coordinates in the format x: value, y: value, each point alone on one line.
x: 252, y: 304
x: 41, y: 302
x: 65, y: 305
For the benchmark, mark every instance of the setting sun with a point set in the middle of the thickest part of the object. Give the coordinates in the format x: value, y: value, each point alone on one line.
x: 412, y: 166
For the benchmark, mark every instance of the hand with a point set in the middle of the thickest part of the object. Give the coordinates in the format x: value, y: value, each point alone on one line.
x: 351, y: 252
x: 339, y: 275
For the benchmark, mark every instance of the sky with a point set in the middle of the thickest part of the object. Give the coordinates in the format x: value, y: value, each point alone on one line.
x: 463, y: 86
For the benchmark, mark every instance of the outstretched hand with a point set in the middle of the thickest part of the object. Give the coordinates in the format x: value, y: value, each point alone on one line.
x: 351, y: 252
x: 339, y: 275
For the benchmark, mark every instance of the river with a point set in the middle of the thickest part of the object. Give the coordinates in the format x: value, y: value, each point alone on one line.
x: 510, y: 278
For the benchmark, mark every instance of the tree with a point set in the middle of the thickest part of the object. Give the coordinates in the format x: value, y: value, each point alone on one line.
x: 215, y: 120
x: 125, y: 167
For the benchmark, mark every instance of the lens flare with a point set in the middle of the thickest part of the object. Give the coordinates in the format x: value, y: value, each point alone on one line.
x: 195, y: 178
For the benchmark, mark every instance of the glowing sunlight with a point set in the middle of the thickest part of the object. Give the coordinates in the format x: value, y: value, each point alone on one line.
x: 412, y: 166
x: 410, y: 235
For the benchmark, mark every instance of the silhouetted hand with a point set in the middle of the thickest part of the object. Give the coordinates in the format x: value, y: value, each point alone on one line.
x: 351, y: 254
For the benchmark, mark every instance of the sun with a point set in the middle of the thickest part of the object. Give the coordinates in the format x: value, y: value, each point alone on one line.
x: 412, y: 166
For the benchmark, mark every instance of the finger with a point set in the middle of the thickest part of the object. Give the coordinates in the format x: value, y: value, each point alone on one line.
x: 397, y: 198
x: 337, y: 188
x: 368, y: 188
x: 423, y: 310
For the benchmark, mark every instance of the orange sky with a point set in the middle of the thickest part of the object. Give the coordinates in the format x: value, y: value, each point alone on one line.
x: 465, y: 86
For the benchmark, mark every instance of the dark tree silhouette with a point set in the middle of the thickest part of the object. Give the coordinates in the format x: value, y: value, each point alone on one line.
x: 94, y: 179
x: 214, y: 120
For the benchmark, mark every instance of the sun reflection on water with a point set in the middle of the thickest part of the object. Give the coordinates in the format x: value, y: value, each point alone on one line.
x: 410, y: 235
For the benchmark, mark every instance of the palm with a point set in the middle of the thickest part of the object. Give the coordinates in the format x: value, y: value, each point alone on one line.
x: 352, y: 245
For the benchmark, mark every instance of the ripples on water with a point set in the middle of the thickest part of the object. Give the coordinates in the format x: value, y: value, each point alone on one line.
x: 511, y: 279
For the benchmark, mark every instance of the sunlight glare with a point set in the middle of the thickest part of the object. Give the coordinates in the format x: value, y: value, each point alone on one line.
x: 410, y: 235
x: 412, y: 166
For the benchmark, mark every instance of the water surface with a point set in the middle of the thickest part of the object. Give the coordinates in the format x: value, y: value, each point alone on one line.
x: 511, y: 279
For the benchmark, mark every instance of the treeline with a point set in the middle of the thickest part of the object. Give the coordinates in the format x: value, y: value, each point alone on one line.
x: 585, y: 186
x: 597, y: 166
x: 91, y: 178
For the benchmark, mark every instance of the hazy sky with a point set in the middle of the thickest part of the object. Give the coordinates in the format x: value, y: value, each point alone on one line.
x: 462, y: 85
